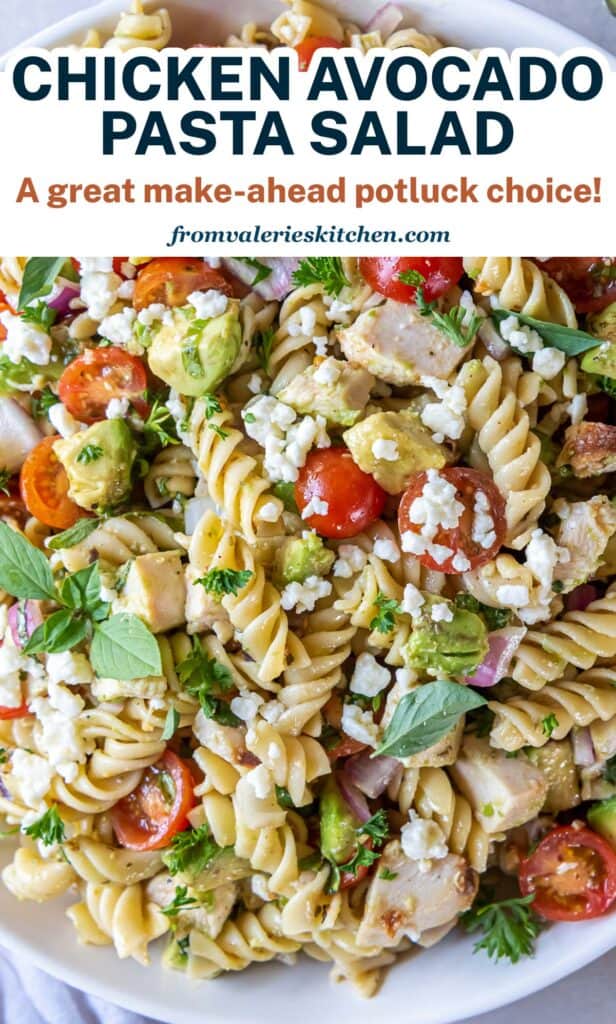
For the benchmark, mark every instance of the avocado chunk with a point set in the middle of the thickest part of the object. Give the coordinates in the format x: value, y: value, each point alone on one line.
x: 602, y: 818
x: 603, y: 324
x: 414, y: 449
x: 194, y: 356
x: 602, y: 359
x: 334, y: 389
x: 555, y: 760
x: 222, y: 867
x: 297, y: 558
x: 454, y: 648
x: 98, y: 462
x: 338, y: 825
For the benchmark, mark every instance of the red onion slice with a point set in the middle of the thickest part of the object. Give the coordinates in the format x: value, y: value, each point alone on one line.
x: 23, y: 618
x: 371, y: 775
x: 581, y: 597
x: 276, y: 285
x: 503, y: 644
x: 356, y: 800
x: 496, y: 346
x: 385, y: 21
x: 583, y: 749
x: 67, y: 291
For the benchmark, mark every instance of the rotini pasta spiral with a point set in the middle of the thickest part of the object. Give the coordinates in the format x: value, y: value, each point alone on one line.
x: 118, y: 914
x: 521, y: 287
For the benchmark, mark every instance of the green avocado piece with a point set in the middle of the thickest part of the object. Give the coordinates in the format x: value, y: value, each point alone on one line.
x: 454, y: 648
x: 194, y: 356
x: 416, y: 451
x: 98, y: 462
x: 297, y: 558
x: 602, y: 359
x: 555, y: 760
x: 602, y: 818
x: 338, y: 825
x: 223, y: 867
x: 341, y: 401
x: 603, y: 324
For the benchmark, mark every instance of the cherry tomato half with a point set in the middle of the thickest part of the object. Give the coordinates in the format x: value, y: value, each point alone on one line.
x: 150, y: 816
x: 589, y: 281
x: 118, y: 262
x: 354, y: 498
x: 469, y: 483
x: 172, y: 279
x: 572, y: 873
x: 90, y: 382
x: 44, y: 487
x: 382, y: 273
x: 5, y: 307
x: 7, y: 713
x: 306, y: 50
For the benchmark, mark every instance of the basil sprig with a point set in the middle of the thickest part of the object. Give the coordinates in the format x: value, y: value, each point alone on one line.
x: 425, y: 715
x: 122, y: 646
x: 39, y: 275
x: 74, y: 535
x: 569, y: 340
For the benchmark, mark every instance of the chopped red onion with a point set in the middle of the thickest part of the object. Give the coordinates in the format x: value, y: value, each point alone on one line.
x: 371, y: 775
x: 61, y: 302
x: 581, y: 597
x: 503, y: 644
x: 276, y: 285
x: 356, y: 800
x: 18, y: 435
x: 23, y: 618
x: 583, y: 748
x: 385, y: 21
x: 496, y: 346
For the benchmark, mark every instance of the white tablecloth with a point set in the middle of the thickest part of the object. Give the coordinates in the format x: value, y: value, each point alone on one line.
x: 29, y: 997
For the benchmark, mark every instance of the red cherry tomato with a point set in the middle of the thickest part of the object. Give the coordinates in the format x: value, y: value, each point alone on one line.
x: 5, y: 307
x: 44, y: 487
x: 572, y: 873
x: 7, y: 713
x: 90, y: 382
x: 589, y: 281
x: 382, y: 273
x: 118, y: 262
x: 172, y: 279
x: 468, y: 483
x: 306, y: 50
x: 150, y: 816
x: 354, y: 498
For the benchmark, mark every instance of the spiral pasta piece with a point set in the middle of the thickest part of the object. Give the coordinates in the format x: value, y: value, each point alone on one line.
x: 521, y: 287
x: 117, y: 540
x: 171, y: 474
x: 32, y: 877
x: 118, y: 914
x: 248, y: 938
x: 293, y: 761
x: 136, y: 28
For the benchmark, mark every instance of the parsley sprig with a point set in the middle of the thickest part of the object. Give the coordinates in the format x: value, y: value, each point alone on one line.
x: 220, y: 582
x: 450, y: 323
x: 159, y: 428
x: 191, y: 851
x: 90, y: 453
x: 181, y: 901
x: 548, y: 724
x: 208, y: 680
x: 384, y: 620
x: 49, y: 828
x: 41, y: 315
x: 324, y: 270
x: 509, y: 927
x: 375, y: 831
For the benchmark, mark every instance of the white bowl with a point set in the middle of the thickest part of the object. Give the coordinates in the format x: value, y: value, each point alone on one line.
x: 438, y: 986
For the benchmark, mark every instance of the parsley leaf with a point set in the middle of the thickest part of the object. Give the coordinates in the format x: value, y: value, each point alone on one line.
x: 224, y: 581
x: 451, y: 323
x: 509, y: 927
x: 199, y: 674
x: 548, y: 724
x: 5, y: 476
x: 49, y: 828
x: 263, y: 343
x: 159, y: 428
x: 212, y: 405
x: 387, y: 875
x: 42, y: 403
x: 324, y: 270
x: 376, y: 828
x: 42, y: 315
x: 191, y: 851
x: 90, y: 453
x: 414, y: 278
x: 384, y: 621
x: 262, y: 270
x: 179, y: 902
x: 222, y: 434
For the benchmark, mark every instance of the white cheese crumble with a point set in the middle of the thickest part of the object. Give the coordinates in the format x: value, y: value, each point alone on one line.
x: 412, y: 600
x: 369, y: 678
x: 62, y: 421
x: 304, y: 596
x: 33, y: 775
x: 255, y: 384
x: 328, y: 372
x: 423, y: 839
x: 269, y: 513
x: 285, y: 438
x: 261, y: 781
x: 208, y: 304
x: 351, y: 560
x: 548, y: 362
x: 513, y: 595
x: 441, y: 612
x: 99, y: 292
x: 246, y: 705
x: 445, y: 418
x: 577, y: 408
x: 117, y: 409
x: 315, y: 507
x: 386, y: 450
x: 25, y: 340
x: 118, y: 328
x: 359, y: 725
x: 386, y: 549
x: 436, y: 507
x: 460, y: 562
x: 148, y: 316
x: 519, y: 336
x: 483, y: 532
x: 70, y: 668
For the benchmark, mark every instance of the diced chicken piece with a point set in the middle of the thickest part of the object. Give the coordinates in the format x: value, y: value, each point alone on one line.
x: 119, y: 689
x: 155, y: 591
x: 208, y: 917
x: 398, y: 345
x: 503, y: 792
x: 589, y: 448
x: 585, y: 529
x: 224, y: 740
x: 416, y: 901
x: 333, y: 389
x: 440, y: 754
x: 203, y: 612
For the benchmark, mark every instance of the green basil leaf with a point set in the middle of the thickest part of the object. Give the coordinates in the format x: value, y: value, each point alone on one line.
x: 39, y: 275
x: 124, y: 648
x: 82, y: 590
x: 568, y: 339
x: 74, y: 535
x: 425, y: 715
x: 24, y: 570
x: 171, y: 723
x: 60, y: 632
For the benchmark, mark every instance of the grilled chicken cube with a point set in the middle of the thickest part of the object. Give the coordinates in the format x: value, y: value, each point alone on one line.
x: 417, y: 900
x: 155, y: 591
x: 208, y: 917
x: 503, y: 792
x: 398, y: 345
x: 585, y: 529
x: 589, y: 448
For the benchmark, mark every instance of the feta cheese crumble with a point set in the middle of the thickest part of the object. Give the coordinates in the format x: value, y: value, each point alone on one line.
x: 304, y: 596
x: 412, y: 600
x: 285, y: 438
x: 208, y: 304
x: 386, y: 450
x: 483, y: 532
x: 117, y: 409
x: 441, y: 612
x: 369, y: 678
x: 315, y: 507
x: 118, y: 328
x: 328, y: 372
x: 386, y: 549
x: 351, y: 560
x: 548, y: 362
x: 446, y: 418
x: 359, y: 725
x: 423, y: 839
x: 25, y: 340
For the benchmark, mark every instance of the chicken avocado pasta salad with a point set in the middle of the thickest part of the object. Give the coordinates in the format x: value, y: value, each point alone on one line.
x: 307, y: 614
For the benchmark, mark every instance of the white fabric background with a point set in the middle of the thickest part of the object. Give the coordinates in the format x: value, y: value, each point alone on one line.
x: 29, y: 997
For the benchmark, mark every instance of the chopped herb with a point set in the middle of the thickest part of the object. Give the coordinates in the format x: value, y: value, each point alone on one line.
x: 224, y: 581
x: 212, y: 406
x: 412, y: 277
x: 286, y: 493
x: 3, y: 755
x: 74, y: 535
x: 49, y: 828
x: 494, y: 618
x: 179, y: 902
x: 165, y: 783
x: 5, y: 476
x: 451, y: 323
x: 159, y: 428
x: 384, y: 621
x: 609, y: 772
x: 324, y: 270
x: 183, y: 947
x: 604, y: 271
x: 548, y: 724
x: 249, y: 418
x: 312, y: 862
x: 558, y: 586
x: 171, y: 723
x: 607, y: 384
x: 90, y: 453
x: 284, y: 798
x: 387, y: 875
x: 488, y: 810
x: 263, y: 344
x: 509, y: 927
x: 262, y: 270
x: 191, y: 851
x: 42, y: 315
x: 161, y: 486
x: 206, y: 679
x: 222, y: 434
x: 41, y: 404
x: 377, y: 828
